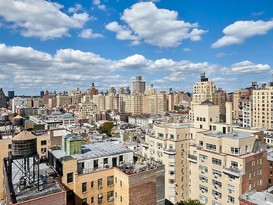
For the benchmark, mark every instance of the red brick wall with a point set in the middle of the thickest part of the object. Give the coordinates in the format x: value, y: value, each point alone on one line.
x: 52, y: 199
x: 143, y: 188
x: 245, y: 202
x: 251, y: 168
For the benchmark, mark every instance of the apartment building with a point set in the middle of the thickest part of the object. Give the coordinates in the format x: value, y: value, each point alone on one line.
x: 155, y: 103
x: 202, y: 91
x: 262, y: 107
x: 63, y: 100
x: 169, y: 144
x: 106, y: 173
x: 44, y: 141
x: 224, y: 166
x: 138, y: 85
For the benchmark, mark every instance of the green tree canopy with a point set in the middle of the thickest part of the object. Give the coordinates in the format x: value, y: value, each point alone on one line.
x: 106, y: 128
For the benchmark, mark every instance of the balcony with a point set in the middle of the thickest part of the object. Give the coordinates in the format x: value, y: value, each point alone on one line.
x: 169, y: 151
x: 145, y: 144
x: 234, y: 171
x: 192, y: 158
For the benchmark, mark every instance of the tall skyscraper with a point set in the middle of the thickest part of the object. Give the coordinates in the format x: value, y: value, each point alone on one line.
x: 138, y: 85
x: 10, y: 94
x: 3, y: 99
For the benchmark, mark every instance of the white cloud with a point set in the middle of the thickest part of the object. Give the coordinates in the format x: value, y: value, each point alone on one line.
x: 123, y: 33
x: 249, y: 67
x: 75, y: 9
x: 159, y: 27
x: 40, y: 18
x: 88, y: 33
x: 99, y: 4
x: 237, y: 32
x: 27, y: 68
x: 186, y: 49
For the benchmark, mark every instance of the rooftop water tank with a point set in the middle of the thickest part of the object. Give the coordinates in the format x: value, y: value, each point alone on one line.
x: 24, y: 144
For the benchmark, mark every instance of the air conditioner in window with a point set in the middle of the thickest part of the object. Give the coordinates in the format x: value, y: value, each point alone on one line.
x: 216, y: 175
x: 228, y: 201
x: 100, y: 187
x: 216, y: 197
x: 216, y: 186
x: 202, y: 171
x: 202, y: 159
x: 230, y: 191
x: 203, y: 190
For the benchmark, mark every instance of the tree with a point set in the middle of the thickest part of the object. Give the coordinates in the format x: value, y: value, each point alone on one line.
x: 190, y: 202
x: 106, y: 128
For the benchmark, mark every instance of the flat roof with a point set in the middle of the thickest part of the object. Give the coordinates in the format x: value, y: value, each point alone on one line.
x: 175, y: 125
x: 261, y: 198
x: 60, y: 132
x: 95, y: 150
x: 233, y: 135
x: 31, y: 192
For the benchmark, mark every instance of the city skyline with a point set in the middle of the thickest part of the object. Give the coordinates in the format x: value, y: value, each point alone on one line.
x: 109, y: 43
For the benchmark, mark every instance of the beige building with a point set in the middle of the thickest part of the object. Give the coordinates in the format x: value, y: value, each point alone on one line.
x: 224, y: 166
x: 155, y: 103
x: 262, y: 107
x: 99, y: 100
x: 131, y: 103
x: 202, y: 91
x: 169, y: 144
x: 63, y: 100
x: 107, y: 175
x: 44, y: 141
x: 138, y: 85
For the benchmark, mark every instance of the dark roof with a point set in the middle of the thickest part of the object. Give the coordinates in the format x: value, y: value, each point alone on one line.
x: 207, y: 102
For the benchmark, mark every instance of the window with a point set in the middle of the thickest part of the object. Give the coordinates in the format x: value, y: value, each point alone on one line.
x: 120, y: 182
x: 110, y: 195
x: 92, y: 184
x: 201, y: 143
x: 84, y: 201
x: 43, y: 142
x: 105, y: 161
x: 216, y: 161
x: 100, y: 183
x: 96, y: 164
x: 120, y: 158
x: 84, y: 187
x: 43, y: 150
x: 210, y: 146
x: 100, y: 197
x: 235, y: 150
x: 92, y: 200
x: 120, y: 198
x: 234, y: 164
x: 110, y: 180
x: 70, y: 177
x: 231, y: 199
x: 9, y: 146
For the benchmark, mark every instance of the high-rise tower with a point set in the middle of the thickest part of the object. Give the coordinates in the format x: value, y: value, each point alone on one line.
x: 138, y: 85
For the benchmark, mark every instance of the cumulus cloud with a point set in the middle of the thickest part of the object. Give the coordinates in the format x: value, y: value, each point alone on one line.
x: 237, y: 32
x: 40, y: 18
x: 249, y: 67
x: 75, y: 9
x: 98, y: 4
x: 88, y: 33
x: 158, y: 27
x: 27, y: 68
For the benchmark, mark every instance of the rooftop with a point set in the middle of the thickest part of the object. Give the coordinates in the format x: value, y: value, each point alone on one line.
x: 261, y: 198
x: 176, y: 125
x: 233, y: 135
x: 47, y: 184
x: 95, y: 150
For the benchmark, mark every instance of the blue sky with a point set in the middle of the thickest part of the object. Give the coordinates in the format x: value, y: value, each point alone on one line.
x: 61, y: 45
